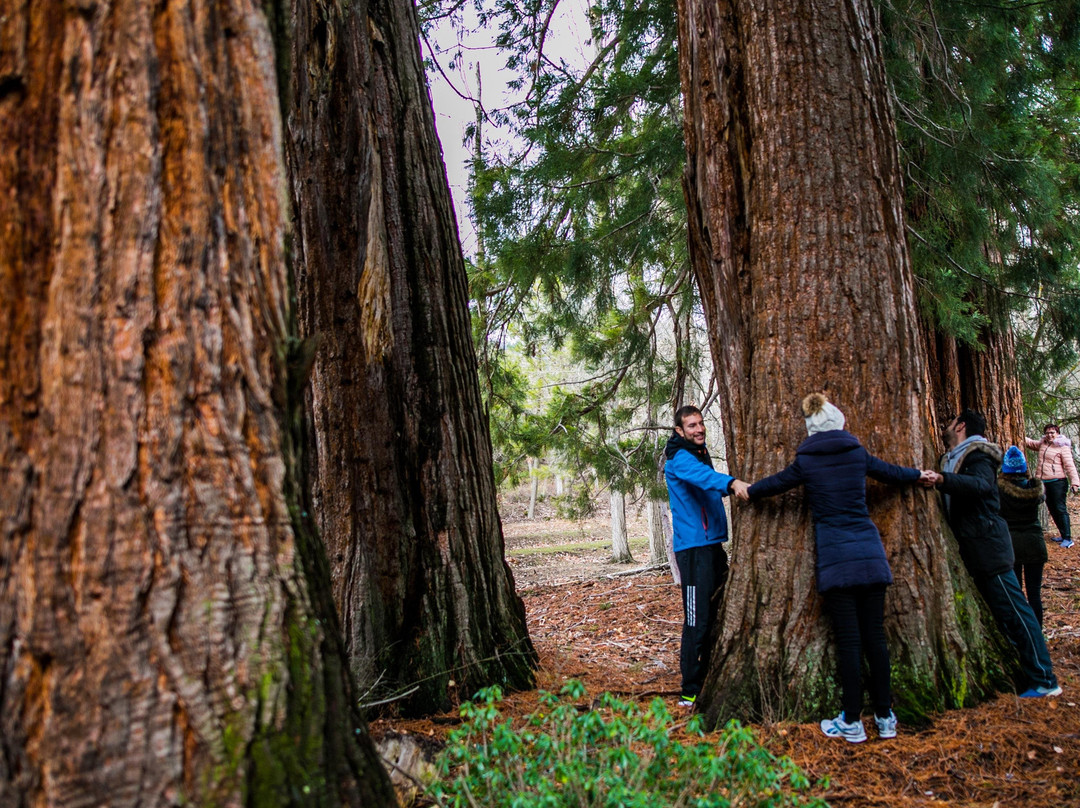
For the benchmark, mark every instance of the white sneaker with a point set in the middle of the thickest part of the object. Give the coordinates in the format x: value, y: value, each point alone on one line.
x: 886, y: 727
x: 839, y: 728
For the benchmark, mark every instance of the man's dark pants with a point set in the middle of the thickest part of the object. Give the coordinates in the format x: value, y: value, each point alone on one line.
x: 704, y: 571
x: 1017, y: 622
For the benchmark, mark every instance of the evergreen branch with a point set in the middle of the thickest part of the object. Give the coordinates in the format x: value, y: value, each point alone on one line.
x: 599, y: 376
x: 594, y: 66
x: 434, y: 60
x: 427, y: 18
x: 540, y: 49
x: 982, y: 279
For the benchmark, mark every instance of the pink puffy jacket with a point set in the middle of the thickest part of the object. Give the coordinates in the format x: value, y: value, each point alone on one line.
x: 1055, y: 459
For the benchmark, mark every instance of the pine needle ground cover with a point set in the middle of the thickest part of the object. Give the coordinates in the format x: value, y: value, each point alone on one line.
x: 621, y: 636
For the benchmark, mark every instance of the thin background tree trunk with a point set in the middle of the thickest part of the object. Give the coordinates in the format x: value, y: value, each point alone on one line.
x: 403, y: 482
x: 654, y: 510
x: 161, y: 641
x: 534, y: 487
x: 797, y: 242
x: 620, y: 545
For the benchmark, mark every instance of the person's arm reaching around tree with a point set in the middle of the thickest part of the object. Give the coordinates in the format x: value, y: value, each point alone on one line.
x: 778, y: 483
x: 686, y: 468
x: 977, y: 479
x: 890, y: 473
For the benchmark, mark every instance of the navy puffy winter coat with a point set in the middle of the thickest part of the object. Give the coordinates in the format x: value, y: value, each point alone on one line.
x: 833, y: 466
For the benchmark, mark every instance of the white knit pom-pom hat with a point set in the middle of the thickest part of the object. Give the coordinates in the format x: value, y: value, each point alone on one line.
x: 821, y: 416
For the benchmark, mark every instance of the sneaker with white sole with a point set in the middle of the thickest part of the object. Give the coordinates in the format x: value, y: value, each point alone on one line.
x: 1066, y: 543
x: 1041, y: 692
x: 687, y: 701
x: 886, y: 727
x: 837, y: 727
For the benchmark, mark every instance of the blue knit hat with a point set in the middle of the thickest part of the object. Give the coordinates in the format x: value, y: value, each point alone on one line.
x: 1014, y: 462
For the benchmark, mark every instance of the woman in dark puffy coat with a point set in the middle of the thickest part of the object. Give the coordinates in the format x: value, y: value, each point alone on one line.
x: 1020, y: 497
x: 852, y: 571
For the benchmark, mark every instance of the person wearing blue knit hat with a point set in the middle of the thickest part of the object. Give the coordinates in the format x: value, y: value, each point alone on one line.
x: 1020, y: 498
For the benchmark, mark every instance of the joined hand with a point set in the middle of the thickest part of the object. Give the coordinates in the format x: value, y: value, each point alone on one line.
x: 741, y: 490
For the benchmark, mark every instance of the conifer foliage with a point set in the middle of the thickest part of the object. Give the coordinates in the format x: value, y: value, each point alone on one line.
x: 583, y: 226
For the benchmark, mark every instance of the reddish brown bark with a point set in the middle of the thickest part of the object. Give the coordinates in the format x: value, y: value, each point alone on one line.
x: 797, y: 241
x: 160, y: 638
x: 983, y: 377
x: 401, y: 459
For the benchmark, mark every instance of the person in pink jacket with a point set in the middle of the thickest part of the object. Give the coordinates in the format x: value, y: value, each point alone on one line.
x: 1054, y: 466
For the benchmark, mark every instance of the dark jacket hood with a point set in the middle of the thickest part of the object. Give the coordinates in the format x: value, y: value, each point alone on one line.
x: 677, y: 442
x: 1020, y: 488
x: 833, y: 441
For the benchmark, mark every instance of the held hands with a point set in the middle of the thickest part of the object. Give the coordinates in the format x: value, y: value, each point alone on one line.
x: 741, y: 490
x: 928, y: 478
x: 1075, y: 489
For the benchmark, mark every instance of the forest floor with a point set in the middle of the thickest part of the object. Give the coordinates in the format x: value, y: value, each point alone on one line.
x: 620, y: 633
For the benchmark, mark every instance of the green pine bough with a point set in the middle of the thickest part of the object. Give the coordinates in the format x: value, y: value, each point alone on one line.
x: 616, y: 754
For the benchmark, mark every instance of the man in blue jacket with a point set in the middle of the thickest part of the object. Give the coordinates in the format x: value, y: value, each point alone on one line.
x: 699, y: 522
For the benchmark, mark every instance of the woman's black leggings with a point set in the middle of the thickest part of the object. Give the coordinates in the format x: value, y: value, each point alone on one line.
x: 858, y: 616
x: 1057, y: 492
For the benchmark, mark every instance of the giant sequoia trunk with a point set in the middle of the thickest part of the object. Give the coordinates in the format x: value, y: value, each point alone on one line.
x: 161, y: 641
x: 403, y: 485
x: 797, y: 242
x: 984, y: 378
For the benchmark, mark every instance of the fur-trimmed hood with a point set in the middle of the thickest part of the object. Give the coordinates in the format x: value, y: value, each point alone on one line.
x: 992, y: 449
x: 1008, y: 485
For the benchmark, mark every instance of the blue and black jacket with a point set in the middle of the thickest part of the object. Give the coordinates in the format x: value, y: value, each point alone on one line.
x: 696, y: 494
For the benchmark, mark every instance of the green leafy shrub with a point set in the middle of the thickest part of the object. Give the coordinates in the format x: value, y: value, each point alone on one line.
x: 615, y: 755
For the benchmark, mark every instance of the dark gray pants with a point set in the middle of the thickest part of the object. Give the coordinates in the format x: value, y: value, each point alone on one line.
x: 1017, y: 622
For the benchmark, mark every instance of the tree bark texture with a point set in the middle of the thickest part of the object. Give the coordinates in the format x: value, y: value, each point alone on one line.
x: 402, y: 464
x: 983, y: 377
x: 159, y: 638
x: 797, y: 243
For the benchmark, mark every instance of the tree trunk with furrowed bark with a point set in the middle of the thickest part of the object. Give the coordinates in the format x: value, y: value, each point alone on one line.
x: 166, y: 631
x: 797, y: 242
x: 403, y: 486
x: 984, y: 378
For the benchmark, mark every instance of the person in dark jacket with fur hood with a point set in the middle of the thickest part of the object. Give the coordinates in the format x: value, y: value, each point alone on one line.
x: 852, y: 570
x: 1020, y: 498
x: 968, y: 483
